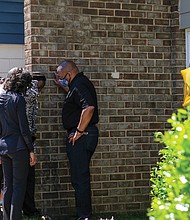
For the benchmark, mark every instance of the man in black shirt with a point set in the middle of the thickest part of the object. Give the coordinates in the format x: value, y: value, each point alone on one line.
x: 79, y: 116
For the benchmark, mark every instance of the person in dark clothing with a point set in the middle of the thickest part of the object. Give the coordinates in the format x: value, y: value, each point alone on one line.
x: 2, y: 82
x: 16, y: 148
x: 31, y: 98
x: 79, y: 116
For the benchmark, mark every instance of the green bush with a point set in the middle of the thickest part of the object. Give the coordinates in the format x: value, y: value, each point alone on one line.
x: 171, y: 177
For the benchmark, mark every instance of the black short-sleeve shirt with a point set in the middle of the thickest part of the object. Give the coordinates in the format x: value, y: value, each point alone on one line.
x: 81, y: 95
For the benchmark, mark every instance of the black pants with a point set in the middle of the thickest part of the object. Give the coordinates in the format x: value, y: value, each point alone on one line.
x: 29, y: 207
x: 15, y: 170
x: 79, y: 157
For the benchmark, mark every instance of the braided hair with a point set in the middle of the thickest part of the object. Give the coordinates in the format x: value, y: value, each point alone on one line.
x: 18, y: 80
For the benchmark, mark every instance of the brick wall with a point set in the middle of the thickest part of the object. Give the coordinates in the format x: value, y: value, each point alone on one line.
x: 133, y: 52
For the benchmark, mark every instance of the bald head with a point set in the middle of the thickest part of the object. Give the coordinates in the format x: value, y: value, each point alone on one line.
x: 67, y: 65
x: 67, y: 70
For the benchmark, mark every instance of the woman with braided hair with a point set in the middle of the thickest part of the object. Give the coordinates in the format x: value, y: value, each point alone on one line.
x: 31, y: 98
x: 16, y: 148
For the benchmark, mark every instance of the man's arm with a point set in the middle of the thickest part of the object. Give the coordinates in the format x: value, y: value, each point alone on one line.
x: 85, y: 118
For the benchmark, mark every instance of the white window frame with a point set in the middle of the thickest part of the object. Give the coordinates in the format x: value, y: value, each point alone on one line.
x: 187, y: 34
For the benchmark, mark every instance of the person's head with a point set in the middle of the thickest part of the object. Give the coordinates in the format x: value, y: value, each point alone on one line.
x: 40, y: 78
x: 67, y: 70
x: 18, y: 80
x: 2, y: 80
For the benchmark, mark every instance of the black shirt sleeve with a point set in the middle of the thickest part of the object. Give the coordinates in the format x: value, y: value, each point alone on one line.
x: 23, y: 123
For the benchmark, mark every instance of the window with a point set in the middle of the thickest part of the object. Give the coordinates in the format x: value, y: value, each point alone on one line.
x: 187, y: 33
x: 11, y: 21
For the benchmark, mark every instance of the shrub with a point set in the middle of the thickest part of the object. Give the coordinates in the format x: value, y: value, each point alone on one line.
x: 171, y: 177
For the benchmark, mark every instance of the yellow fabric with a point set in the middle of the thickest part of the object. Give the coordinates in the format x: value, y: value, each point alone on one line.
x: 186, y: 78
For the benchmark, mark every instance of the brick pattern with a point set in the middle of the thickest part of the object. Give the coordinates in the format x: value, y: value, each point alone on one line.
x: 133, y: 52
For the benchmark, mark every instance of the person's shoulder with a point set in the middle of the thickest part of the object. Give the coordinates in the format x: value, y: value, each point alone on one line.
x: 82, y: 78
x: 12, y: 97
x: 18, y: 98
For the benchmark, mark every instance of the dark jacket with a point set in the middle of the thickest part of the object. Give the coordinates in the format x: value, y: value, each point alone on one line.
x: 14, y: 129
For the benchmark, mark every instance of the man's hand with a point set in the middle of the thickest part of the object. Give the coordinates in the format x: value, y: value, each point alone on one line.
x: 74, y: 136
x: 58, y: 83
x: 33, y: 159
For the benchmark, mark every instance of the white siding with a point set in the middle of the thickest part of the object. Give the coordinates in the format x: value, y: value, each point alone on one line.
x: 184, y: 13
x: 11, y: 56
